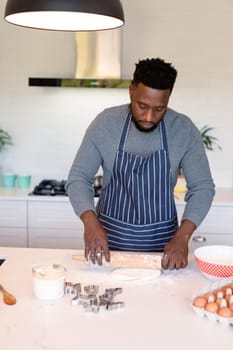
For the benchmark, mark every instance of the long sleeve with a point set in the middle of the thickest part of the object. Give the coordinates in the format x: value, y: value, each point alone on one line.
x: 200, y: 185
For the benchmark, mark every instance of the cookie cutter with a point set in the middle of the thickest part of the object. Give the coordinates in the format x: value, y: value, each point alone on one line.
x: 90, y: 300
x: 72, y: 288
x: 91, y: 289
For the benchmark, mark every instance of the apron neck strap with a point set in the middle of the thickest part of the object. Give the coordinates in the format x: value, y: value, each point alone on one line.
x: 163, y: 135
x: 125, y: 132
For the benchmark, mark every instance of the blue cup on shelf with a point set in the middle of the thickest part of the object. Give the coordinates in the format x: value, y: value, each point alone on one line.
x: 9, y: 180
x: 24, y: 181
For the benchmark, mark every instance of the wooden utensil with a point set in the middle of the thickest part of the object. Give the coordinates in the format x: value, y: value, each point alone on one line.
x: 8, y: 298
x: 134, y: 260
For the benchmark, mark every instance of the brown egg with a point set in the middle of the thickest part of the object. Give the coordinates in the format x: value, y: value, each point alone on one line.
x: 221, y: 302
x: 226, y: 288
x: 231, y: 307
x: 212, y: 307
x: 200, y: 302
x: 225, y: 312
x: 228, y: 298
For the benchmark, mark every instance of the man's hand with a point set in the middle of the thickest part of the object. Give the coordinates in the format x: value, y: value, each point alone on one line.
x: 95, y: 238
x: 176, y: 251
x: 175, y: 254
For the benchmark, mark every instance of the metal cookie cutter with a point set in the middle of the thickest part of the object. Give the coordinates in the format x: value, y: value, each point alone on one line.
x: 84, y: 299
x: 91, y: 289
x: 90, y: 300
x: 112, y: 292
x: 106, y: 300
x: 93, y: 308
x: 115, y: 305
x: 72, y: 288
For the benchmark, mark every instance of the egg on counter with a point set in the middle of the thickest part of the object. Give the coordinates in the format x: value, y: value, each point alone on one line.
x: 212, y: 307
x: 200, y: 302
x: 221, y: 302
x: 215, y: 303
x: 225, y: 312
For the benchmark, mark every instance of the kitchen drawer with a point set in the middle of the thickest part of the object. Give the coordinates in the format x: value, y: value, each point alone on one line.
x: 13, y: 213
x: 45, y: 214
x: 55, y: 238
x: 13, y: 237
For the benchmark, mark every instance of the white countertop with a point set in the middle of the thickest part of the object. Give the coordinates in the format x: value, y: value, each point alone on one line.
x: 156, y: 315
x: 223, y: 196
x: 23, y: 194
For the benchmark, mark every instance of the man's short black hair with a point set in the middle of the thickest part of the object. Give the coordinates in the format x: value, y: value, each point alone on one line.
x: 155, y: 73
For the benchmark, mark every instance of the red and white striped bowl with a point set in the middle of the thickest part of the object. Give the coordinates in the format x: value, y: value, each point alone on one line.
x: 215, y: 261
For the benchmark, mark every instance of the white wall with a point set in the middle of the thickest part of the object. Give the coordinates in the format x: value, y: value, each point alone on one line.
x: 47, y: 124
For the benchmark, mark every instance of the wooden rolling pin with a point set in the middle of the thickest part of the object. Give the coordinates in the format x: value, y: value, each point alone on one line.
x: 133, y: 260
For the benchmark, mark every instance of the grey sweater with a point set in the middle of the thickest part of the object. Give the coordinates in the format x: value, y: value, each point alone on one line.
x: 100, y: 144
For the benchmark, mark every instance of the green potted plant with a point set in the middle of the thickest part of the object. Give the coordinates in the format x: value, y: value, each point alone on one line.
x: 5, y: 139
x: 209, y: 141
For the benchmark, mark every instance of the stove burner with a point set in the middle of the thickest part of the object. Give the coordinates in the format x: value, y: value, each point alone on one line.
x: 57, y: 188
x: 50, y: 188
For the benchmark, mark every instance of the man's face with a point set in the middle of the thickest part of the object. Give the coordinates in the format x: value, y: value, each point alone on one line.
x: 148, y: 106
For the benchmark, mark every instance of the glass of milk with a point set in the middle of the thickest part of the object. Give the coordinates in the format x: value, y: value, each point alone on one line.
x: 49, y: 281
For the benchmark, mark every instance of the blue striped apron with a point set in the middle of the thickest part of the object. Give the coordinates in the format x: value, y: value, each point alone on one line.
x: 137, y: 207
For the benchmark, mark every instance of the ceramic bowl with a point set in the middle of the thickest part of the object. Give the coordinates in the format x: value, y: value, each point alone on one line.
x: 215, y: 261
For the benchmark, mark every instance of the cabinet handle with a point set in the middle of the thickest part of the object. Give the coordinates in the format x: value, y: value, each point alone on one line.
x: 199, y: 239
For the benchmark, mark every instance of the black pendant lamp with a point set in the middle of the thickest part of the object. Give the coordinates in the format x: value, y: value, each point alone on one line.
x: 65, y: 15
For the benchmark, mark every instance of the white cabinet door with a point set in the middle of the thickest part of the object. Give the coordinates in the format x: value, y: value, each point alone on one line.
x: 216, y: 228
x: 13, y: 223
x: 53, y: 224
x: 13, y: 237
x: 13, y: 213
x: 52, y: 214
x: 55, y: 238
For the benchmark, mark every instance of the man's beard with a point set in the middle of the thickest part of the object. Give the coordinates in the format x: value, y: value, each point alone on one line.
x: 140, y: 128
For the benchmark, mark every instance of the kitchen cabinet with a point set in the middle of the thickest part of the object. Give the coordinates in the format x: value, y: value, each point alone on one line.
x: 216, y: 228
x: 36, y: 221
x: 53, y: 224
x: 13, y: 223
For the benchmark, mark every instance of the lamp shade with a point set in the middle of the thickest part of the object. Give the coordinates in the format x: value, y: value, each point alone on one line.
x: 65, y: 15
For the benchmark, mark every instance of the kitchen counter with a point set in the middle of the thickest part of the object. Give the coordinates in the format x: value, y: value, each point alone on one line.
x: 23, y: 194
x: 156, y: 314
x: 223, y: 196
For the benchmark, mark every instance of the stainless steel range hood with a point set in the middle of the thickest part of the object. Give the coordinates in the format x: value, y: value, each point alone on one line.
x: 98, y: 62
